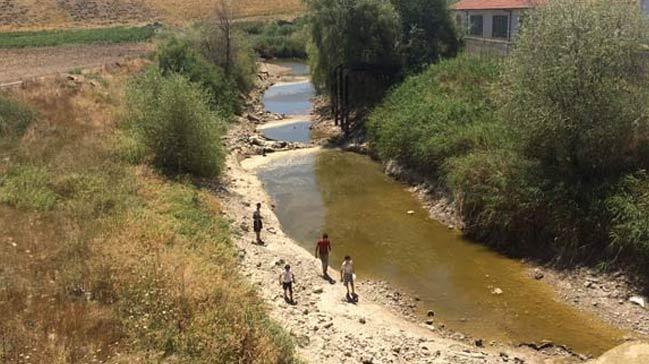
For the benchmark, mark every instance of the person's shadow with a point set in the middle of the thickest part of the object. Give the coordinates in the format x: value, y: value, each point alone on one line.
x: 328, y: 278
x: 290, y: 302
x: 351, y: 298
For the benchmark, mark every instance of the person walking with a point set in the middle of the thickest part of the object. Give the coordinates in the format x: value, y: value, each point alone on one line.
x: 322, y: 250
x: 286, y: 279
x: 347, y: 276
x: 257, y: 223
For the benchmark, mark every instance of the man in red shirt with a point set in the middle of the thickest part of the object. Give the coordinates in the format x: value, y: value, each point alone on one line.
x: 322, y: 249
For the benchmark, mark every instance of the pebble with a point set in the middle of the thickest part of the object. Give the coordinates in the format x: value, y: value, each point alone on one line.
x: 497, y: 291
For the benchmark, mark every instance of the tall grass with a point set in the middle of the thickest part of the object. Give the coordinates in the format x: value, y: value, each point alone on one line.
x: 14, y: 117
x: 446, y: 111
x: 51, y: 38
x: 121, y: 264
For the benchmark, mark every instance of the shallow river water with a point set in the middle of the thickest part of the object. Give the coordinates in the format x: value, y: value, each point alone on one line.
x: 365, y: 213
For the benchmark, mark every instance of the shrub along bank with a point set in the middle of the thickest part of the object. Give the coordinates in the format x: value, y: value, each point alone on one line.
x: 278, y: 38
x: 549, y: 156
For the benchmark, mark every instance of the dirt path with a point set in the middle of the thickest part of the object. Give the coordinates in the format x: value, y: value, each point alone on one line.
x: 29, y: 63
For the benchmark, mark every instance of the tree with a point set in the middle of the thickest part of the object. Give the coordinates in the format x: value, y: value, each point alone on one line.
x: 351, y: 32
x: 428, y: 32
x: 223, y: 20
x: 576, y: 89
x: 177, y: 56
x: 222, y: 45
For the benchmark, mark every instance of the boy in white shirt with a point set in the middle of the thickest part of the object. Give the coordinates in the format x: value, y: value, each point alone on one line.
x: 347, y: 274
x: 286, y: 279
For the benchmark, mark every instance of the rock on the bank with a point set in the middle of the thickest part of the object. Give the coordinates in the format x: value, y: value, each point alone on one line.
x: 627, y: 353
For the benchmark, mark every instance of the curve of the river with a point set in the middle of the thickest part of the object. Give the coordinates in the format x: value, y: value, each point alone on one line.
x: 365, y: 213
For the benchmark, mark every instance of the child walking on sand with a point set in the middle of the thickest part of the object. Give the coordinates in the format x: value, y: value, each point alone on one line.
x: 347, y: 275
x: 286, y: 279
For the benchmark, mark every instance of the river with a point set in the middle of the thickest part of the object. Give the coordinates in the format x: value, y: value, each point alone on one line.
x: 365, y: 213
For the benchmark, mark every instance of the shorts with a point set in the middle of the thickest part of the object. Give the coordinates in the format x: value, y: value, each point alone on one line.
x: 348, y: 278
x: 324, y: 258
x: 288, y: 286
x: 257, y: 225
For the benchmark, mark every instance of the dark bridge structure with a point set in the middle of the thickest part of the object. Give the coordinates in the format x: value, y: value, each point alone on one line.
x: 356, y: 87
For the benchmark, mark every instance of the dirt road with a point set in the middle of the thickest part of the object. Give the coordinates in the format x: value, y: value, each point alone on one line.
x: 29, y: 63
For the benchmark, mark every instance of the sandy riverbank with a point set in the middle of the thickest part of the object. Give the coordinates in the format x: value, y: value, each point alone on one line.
x: 326, y: 328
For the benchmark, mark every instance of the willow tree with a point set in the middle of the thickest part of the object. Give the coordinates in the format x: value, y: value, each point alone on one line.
x: 351, y: 32
x: 428, y: 32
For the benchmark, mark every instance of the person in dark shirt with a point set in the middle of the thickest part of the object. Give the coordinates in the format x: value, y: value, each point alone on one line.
x: 257, y: 223
x: 322, y: 250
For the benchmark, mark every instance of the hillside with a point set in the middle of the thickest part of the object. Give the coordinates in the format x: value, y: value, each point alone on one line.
x: 34, y: 14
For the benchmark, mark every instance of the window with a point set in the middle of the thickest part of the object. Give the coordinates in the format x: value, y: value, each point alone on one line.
x: 476, y: 25
x: 458, y: 20
x: 500, y: 27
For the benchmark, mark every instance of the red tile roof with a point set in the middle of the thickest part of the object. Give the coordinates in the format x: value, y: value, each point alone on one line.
x: 494, y: 4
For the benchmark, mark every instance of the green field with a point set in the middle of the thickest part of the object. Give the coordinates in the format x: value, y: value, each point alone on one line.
x: 49, y: 38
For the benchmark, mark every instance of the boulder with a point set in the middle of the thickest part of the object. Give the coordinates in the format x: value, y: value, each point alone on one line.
x: 639, y: 300
x: 634, y: 352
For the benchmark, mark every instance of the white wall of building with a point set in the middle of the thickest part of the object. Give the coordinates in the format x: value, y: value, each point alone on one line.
x: 514, y: 17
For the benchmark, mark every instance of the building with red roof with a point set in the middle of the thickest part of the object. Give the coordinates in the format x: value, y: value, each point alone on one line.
x: 491, y: 25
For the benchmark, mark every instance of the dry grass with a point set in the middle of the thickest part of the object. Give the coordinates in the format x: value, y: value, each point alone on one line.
x: 46, y: 14
x: 121, y: 265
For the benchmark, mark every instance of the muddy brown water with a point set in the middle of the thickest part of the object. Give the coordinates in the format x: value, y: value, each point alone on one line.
x: 366, y: 215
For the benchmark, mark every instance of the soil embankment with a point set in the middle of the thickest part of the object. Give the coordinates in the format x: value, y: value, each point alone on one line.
x: 29, y: 63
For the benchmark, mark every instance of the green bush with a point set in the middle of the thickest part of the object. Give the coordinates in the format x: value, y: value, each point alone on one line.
x: 278, y: 39
x: 15, y: 118
x: 444, y: 112
x: 171, y: 117
x: 629, y: 210
x: 428, y: 32
x: 234, y: 55
x: 178, y: 56
x: 576, y: 88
